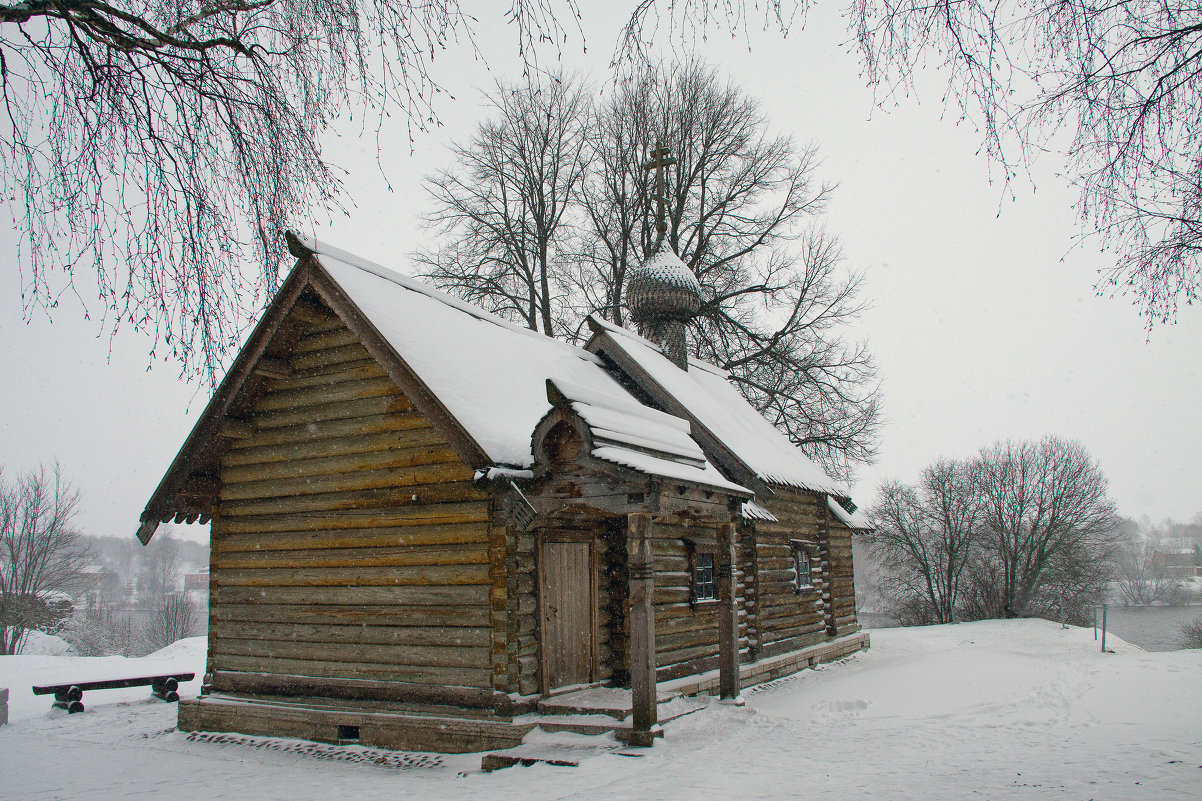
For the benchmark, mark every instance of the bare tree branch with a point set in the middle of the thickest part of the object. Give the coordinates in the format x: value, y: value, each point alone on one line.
x: 1121, y: 83
x: 548, y: 208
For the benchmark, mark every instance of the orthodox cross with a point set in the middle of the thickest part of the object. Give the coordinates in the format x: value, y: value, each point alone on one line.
x: 661, y: 157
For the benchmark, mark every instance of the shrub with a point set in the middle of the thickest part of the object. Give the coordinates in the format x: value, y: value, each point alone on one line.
x: 1191, y: 634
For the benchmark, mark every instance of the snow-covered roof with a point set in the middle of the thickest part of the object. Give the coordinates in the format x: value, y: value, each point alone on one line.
x: 627, y: 433
x: 753, y: 511
x: 491, y: 375
x: 704, y: 394
x: 857, y: 520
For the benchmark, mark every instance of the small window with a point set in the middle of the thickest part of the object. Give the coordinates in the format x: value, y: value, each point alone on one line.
x: 802, y: 575
x: 704, y: 586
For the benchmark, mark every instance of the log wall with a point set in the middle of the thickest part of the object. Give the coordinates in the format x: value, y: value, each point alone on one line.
x: 785, y: 619
x: 686, y: 636
x: 349, y: 542
x: 843, y: 586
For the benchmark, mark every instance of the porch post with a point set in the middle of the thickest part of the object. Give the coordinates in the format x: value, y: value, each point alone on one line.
x: 642, y: 629
x: 728, y: 614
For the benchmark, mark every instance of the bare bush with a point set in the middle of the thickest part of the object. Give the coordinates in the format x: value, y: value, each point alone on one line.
x: 1142, y: 579
x: 1191, y: 634
x: 100, y: 631
x: 172, y: 617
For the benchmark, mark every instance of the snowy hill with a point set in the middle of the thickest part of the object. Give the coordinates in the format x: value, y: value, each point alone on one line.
x: 996, y: 710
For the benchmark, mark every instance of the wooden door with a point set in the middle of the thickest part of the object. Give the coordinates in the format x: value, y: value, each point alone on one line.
x: 567, y: 594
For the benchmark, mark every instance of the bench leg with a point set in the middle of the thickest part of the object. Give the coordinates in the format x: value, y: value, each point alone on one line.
x: 69, y: 700
x: 166, y: 690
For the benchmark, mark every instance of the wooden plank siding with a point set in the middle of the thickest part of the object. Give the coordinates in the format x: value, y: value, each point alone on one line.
x: 349, y: 542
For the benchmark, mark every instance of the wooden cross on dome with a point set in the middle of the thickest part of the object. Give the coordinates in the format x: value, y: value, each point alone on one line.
x: 661, y: 157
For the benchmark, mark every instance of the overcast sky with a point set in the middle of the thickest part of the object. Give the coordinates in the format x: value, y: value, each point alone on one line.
x: 984, y: 321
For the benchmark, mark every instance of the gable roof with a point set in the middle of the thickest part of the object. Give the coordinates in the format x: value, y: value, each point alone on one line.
x: 481, y: 379
x: 733, y: 432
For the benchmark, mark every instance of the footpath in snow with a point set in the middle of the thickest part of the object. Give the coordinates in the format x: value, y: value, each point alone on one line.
x: 993, y: 710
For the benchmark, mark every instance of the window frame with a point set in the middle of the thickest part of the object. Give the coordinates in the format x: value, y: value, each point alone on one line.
x: 798, y: 550
x: 695, y: 550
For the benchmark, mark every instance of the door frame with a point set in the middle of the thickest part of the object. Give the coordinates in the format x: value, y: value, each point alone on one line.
x: 587, y: 536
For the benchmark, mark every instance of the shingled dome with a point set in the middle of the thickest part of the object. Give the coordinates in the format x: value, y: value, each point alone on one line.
x: 663, y: 288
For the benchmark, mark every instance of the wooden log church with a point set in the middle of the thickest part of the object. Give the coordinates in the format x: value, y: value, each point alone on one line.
x: 435, y: 530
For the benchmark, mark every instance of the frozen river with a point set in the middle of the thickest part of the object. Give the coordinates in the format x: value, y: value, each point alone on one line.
x: 1153, y: 628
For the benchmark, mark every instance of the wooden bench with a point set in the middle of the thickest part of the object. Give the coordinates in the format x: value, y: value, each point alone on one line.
x: 68, y: 696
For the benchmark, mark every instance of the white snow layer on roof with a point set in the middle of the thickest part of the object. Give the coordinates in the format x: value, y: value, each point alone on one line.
x: 627, y: 433
x: 491, y: 375
x: 717, y: 406
x: 857, y: 520
x: 655, y: 466
x: 626, y: 422
x: 753, y: 511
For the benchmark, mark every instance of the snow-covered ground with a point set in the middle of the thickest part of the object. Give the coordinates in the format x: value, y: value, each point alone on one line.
x: 992, y: 710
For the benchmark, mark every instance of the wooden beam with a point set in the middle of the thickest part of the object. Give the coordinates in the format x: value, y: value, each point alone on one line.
x: 641, y: 565
x: 270, y: 367
x: 146, y: 530
x: 728, y: 615
x: 236, y: 428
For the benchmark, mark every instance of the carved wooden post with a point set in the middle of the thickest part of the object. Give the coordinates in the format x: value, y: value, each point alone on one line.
x: 728, y: 614
x: 642, y: 629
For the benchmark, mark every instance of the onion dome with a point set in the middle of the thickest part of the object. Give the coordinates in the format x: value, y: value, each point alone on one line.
x: 663, y: 288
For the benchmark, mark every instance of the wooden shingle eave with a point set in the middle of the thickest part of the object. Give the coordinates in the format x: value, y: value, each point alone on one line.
x: 723, y: 457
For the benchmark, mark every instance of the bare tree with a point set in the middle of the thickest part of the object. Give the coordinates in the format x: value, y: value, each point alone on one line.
x: 742, y: 211
x: 1121, y: 83
x: 1142, y: 579
x: 504, y: 208
x: 1024, y: 529
x: 172, y: 617
x: 41, y: 553
x: 924, y: 537
x: 157, y: 148
x: 160, y: 569
x: 1047, y: 512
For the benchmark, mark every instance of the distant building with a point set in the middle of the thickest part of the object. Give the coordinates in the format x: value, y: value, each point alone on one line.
x: 100, y: 587
x: 1179, y: 562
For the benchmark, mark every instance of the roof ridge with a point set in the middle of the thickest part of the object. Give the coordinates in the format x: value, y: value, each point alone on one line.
x: 693, y: 361
x: 422, y: 288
